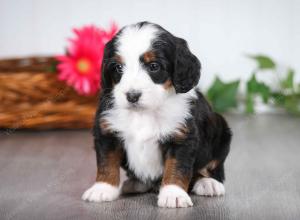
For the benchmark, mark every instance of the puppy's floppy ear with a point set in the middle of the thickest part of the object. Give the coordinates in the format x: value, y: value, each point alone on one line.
x: 186, y: 68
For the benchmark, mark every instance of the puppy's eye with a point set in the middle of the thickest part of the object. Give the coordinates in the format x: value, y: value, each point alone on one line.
x: 118, y: 68
x: 154, y: 67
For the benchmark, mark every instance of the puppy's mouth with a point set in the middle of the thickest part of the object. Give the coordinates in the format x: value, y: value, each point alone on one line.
x: 135, y: 107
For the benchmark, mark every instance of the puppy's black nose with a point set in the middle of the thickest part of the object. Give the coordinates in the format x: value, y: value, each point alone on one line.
x: 133, y: 96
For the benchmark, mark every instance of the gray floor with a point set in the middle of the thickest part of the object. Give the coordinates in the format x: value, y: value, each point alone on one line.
x: 43, y: 174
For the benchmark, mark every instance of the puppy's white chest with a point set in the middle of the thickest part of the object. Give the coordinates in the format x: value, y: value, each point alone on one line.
x: 144, y: 158
x: 142, y: 130
x: 141, y: 137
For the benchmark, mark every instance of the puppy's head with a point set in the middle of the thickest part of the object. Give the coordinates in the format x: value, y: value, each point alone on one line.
x: 144, y: 65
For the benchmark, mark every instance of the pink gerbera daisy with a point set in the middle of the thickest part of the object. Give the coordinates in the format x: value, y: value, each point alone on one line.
x: 81, y: 66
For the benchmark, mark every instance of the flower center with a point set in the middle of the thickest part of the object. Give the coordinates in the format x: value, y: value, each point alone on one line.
x: 83, y: 65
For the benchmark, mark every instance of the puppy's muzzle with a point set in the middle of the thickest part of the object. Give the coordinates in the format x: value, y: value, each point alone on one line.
x: 133, y: 96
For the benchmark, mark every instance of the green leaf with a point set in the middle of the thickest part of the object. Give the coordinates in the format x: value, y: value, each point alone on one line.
x: 53, y: 67
x: 249, y: 104
x: 278, y: 98
x: 292, y: 104
x: 223, y: 96
x: 288, y: 82
x: 255, y: 87
x: 264, y: 62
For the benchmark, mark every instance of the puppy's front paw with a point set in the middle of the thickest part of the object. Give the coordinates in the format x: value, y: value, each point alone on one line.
x: 101, y: 192
x: 208, y: 187
x: 172, y: 196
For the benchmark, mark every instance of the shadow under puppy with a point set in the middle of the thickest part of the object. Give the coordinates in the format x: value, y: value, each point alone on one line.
x: 154, y: 123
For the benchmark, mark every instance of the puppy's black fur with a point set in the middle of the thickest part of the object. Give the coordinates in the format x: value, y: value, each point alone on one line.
x: 208, y: 135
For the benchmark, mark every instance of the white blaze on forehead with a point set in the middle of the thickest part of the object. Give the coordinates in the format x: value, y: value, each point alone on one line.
x: 134, y: 41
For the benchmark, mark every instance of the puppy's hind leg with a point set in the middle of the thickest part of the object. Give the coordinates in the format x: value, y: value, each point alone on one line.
x: 209, y: 182
x: 212, y: 176
x: 133, y: 185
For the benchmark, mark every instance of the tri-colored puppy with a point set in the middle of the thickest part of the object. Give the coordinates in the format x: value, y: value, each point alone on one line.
x: 153, y: 121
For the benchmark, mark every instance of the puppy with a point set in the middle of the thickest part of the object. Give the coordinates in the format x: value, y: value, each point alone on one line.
x: 154, y: 123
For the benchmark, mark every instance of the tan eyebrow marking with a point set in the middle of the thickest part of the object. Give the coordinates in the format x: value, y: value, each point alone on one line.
x: 118, y: 58
x: 149, y: 56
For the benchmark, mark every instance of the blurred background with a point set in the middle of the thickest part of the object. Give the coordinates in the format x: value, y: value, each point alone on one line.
x: 220, y: 33
x: 249, y: 51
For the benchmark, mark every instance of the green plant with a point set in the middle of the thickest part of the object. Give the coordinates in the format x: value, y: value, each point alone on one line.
x: 224, y: 96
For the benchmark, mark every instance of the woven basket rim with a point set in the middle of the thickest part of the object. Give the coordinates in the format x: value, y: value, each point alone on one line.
x: 28, y: 64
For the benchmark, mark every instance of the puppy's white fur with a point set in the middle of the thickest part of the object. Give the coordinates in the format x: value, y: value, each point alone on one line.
x: 132, y: 43
x: 172, y: 196
x: 141, y: 130
x: 208, y: 187
x: 101, y: 192
x: 104, y: 192
x: 159, y: 113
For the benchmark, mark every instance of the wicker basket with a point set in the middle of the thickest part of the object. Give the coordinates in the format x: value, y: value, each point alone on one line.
x: 32, y: 97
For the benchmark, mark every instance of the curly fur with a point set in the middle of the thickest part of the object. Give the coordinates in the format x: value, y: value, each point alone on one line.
x: 171, y: 121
